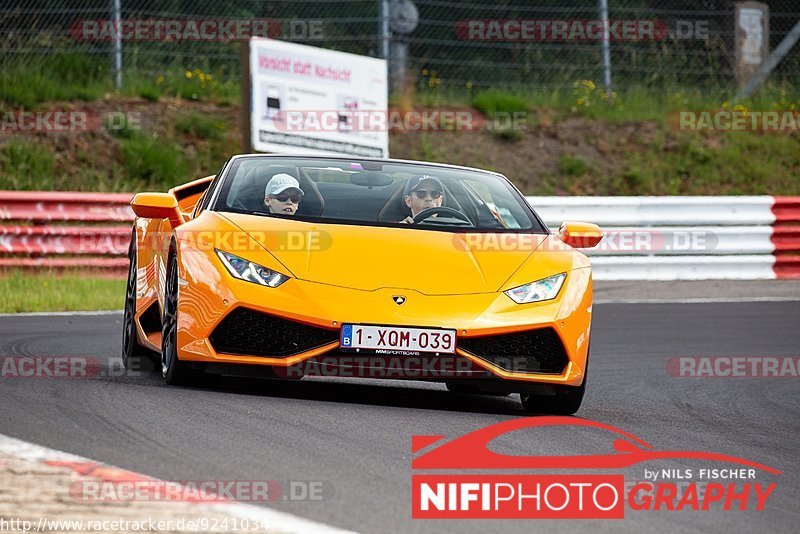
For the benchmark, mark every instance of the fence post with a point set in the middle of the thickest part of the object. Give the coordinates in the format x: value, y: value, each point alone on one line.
x: 117, y: 59
x: 606, y: 46
x: 772, y: 61
x: 383, y: 28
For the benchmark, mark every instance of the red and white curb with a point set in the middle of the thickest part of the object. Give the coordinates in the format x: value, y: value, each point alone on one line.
x: 275, y: 520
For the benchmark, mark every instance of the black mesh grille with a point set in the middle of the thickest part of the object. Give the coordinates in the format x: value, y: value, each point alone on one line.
x: 531, y: 351
x: 253, y: 333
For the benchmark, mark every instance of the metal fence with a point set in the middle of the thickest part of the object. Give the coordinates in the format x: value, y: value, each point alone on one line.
x: 437, y: 45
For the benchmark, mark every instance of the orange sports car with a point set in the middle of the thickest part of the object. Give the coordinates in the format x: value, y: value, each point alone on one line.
x: 288, y: 266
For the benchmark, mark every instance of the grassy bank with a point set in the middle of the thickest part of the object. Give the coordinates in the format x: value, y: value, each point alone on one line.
x: 47, y: 291
x: 574, y: 141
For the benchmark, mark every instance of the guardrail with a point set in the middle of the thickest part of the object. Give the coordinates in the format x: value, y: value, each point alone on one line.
x: 647, y: 238
x: 686, y: 238
x: 40, y: 230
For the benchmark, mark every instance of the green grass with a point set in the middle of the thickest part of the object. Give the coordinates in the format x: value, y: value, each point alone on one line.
x: 573, y: 165
x: 200, y: 125
x: 57, y: 77
x: 687, y: 164
x: 28, y: 292
x: 25, y: 162
x: 634, y: 103
x: 492, y: 102
x: 152, y: 161
x: 742, y: 164
x: 76, y: 77
x: 189, y: 84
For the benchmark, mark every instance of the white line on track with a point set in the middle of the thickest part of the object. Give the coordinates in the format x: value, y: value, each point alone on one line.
x: 698, y: 300
x: 62, y: 314
x: 279, y: 521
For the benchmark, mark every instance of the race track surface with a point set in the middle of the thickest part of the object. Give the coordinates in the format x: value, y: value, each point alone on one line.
x: 355, y: 435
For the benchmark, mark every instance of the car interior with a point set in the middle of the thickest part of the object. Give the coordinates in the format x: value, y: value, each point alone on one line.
x: 337, y: 194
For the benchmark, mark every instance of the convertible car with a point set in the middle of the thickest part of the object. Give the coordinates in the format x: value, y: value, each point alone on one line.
x: 287, y: 266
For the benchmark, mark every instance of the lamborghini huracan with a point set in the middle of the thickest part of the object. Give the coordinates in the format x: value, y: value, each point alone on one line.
x: 286, y: 266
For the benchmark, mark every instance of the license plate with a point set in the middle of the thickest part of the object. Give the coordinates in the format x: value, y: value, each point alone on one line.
x: 357, y: 336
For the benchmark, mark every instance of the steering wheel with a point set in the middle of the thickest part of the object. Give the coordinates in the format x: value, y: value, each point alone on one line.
x: 430, y: 212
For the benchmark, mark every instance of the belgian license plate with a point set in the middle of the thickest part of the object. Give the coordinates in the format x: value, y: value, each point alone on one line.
x: 357, y: 336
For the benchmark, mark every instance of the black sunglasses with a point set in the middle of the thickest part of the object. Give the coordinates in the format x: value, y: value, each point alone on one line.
x: 422, y: 193
x: 283, y: 198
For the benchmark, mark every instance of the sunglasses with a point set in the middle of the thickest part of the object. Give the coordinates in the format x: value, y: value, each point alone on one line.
x: 422, y: 193
x: 283, y: 198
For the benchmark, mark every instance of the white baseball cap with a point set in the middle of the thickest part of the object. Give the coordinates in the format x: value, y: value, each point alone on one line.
x: 280, y: 183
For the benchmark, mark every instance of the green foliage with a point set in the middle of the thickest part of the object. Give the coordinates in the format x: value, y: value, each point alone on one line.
x: 200, y: 125
x: 495, y: 101
x: 573, y: 165
x: 189, y: 84
x: 149, y: 93
x: 158, y: 163
x: 26, y: 162
x: 57, y: 77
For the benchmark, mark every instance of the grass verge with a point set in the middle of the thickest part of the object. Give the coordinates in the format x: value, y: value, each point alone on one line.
x: 53, y: 292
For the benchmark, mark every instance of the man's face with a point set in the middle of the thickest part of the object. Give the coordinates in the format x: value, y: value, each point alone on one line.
x: 422, y: 197
x: 284, y: 203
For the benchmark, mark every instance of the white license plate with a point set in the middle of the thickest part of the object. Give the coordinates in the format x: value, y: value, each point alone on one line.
x: 357, y: 336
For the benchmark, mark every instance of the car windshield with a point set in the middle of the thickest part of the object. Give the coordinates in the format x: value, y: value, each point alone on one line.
x: 369, y: 192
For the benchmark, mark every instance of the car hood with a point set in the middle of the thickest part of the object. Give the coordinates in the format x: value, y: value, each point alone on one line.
x: 370, y: 258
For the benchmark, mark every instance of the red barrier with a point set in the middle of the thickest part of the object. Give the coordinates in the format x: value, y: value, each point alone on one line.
x: 41, y: 240
x: 104, y: 247
x: 42, y: 245
x: 786, y: 237
x: 786, y: 211
x: 787, y: 267
x: 42, y: 206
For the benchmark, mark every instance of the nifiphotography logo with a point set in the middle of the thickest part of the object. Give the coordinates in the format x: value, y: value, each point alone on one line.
x: 718, y: 482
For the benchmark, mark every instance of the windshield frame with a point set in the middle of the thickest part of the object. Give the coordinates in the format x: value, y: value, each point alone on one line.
x: 217, y: 202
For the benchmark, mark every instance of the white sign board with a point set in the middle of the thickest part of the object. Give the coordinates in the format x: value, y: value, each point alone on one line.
x: 751, y: 23
x: 307, y: 100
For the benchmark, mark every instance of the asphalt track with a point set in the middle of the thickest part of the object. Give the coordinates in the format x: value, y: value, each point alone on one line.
x: 355, y: 435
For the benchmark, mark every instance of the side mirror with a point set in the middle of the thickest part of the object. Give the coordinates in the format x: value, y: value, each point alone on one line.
x: 157, y: 206
x: 580, y: 234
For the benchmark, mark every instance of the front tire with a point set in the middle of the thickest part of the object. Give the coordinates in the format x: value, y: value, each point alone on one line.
x: 566, y: 401
x: 174, y: 371
x: 562, y: 403
x: 135, y: 357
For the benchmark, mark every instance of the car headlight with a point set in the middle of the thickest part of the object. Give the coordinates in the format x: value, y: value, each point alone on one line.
x: 250, y: 272
x: 538, y: 291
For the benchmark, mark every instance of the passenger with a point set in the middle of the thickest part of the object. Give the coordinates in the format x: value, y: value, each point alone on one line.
x: 282, y: 194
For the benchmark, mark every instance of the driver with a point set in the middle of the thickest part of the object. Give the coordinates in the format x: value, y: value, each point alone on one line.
x: 282, y: 194
x: 422, y: 192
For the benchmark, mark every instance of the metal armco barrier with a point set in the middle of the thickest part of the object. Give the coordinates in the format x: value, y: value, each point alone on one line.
x: 65, y: 230
x: 647, y: 238
x: 686, y: 238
